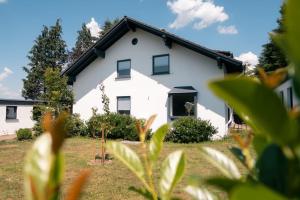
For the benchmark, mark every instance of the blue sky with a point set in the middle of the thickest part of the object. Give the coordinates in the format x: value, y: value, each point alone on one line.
x: 236, y: 25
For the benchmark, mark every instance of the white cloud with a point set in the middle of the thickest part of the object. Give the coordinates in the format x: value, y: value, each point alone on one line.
x: 6, y: 92
x: 94, y: 27
x: 249, y: 59
x: 6, y: 72
x: 229, y: 30
x: 3, y: 1
x: 202, y: 13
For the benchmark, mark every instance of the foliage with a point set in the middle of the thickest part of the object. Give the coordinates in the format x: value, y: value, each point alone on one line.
x: 171, y: 170
x: 49, y: 50
x: 120, y: 126
x: 44, y: 164
x: 75, y: 126
x: 83, y: 42
x: 190, y: 129
x: 272, y: 57
x: 58, y: 96
x: 274, y: 173
x: 37, y: 129
x: 104, y: 99
x: 24, y: 134
x: 108, y: 24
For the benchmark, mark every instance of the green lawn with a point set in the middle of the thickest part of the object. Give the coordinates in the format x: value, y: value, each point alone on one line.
x: 110, y: 181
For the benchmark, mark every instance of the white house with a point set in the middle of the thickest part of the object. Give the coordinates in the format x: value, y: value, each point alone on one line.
x: 148, y: 71
x: 287, y: 94
x: 15, y: 114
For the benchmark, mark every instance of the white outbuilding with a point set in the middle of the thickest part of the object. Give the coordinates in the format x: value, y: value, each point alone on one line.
x: 15, y: 114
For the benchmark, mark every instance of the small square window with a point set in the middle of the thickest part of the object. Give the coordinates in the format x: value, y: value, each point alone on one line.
x: 11, y: 112
x: 161, y: 64
x: 124, y: 68
x: 123, y: 105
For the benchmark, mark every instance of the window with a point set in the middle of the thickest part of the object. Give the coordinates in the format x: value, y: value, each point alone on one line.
x: 281, y: 94
x: 182, y: 102
x: 123, y: 68
x: 11, y: 112
x: 290, y: 97
x: 123, y: 105
x: 161, y: 64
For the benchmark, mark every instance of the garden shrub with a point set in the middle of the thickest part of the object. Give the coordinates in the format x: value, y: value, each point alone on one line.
x: 24, y: 134
x: 190, y: 130
x: 75, y: 126
x: 121, y: 126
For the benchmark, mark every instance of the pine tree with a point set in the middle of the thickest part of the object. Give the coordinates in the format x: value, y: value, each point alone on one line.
x: 108, y: 24
x: 49, y: 50
x: 84, y: 41
x: 272, y: 57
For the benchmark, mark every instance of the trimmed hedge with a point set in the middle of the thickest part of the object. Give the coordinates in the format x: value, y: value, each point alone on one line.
x: 24, y: 134
x: 75, y: 126
x: 190, y: 130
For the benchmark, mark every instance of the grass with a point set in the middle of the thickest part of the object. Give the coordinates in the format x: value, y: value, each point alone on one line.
x: 110, y: 181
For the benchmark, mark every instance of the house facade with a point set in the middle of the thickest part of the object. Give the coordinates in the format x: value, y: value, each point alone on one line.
x: 148, y: 71
x: 15, y: 114
x: 287, y: 94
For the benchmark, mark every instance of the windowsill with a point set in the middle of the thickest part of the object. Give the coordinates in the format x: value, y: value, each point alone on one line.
x: 155, y: 74
x: 12, y: 120
x: 123, y: 78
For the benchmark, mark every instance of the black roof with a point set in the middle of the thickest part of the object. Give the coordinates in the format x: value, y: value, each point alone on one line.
x: 18, y: 102
x: 128, y: 24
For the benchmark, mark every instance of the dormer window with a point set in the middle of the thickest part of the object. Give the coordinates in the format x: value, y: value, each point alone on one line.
x: 124, y: 68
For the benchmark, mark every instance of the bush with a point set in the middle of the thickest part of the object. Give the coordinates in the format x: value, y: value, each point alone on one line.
x: 190, y: 130
x: 75, y: 126
x: 121, y: 126
x: 24, y: 134
x: 37, y: 129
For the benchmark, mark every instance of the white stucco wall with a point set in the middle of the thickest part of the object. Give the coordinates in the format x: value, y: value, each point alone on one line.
x: 284, y: 88
x: 149, y: 93
x: 12, y: 125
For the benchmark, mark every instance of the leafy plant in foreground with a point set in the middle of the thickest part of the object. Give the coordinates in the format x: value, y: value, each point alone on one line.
x: 172, y: 167
x: 275, y: 173
x: 44, y: 164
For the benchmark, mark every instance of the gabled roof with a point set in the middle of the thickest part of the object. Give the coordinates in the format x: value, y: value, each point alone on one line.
x: 128, y: 24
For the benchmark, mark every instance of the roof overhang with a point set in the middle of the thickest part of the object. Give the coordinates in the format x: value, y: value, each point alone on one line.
x: 183, y: 90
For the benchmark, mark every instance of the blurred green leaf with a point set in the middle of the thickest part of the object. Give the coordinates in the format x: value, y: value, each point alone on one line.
x: 257, y: 192
x: 128, y: 157
x: 143, y: 192
x: 222, y: 162
x: 237, y: 152
x: 43, y: 169
x: 156, y: 142
x: 259, y: 144
x: 171, y: 172
x: 256, y: 105
x: 223, y: 183
x: 199, y: 193
x: 272, y: 167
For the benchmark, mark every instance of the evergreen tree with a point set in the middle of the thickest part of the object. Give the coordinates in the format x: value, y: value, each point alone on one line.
x: 108, y: 24
x: 49, y: 50
x: 272, y: 57
x: 84, y: 41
